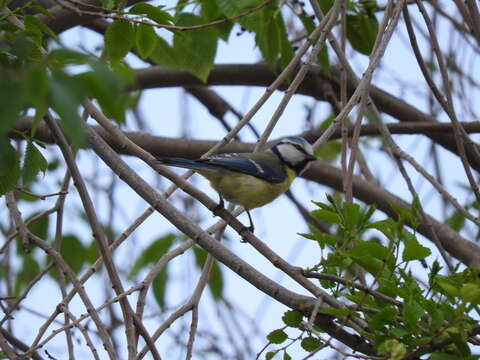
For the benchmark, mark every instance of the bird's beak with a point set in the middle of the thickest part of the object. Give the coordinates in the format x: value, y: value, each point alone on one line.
x: 311, y: 157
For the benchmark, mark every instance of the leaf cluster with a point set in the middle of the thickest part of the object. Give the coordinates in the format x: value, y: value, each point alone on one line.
x: 403, y: 314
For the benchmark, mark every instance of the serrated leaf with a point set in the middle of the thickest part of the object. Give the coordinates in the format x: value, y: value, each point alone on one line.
x: 195, y: 49
x: 292, y: 318
x: 36, y: 87
x: 9, y: 166
x: 414, y: 250
x: 361, y: 32
x: 152, y: 12
x: 152, y: 253
x: 145, y: 40
x: 267, y: 37
x: 66, y: 95
x: 73, y: 252
x: 34, y: 163
x: 411, y: 312
x: 277, y: 336
x: 119, y: 40
x: 310, y: 343
x: 159, y: 286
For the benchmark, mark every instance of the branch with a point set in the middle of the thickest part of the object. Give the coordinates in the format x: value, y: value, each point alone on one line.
x: 295, y: 301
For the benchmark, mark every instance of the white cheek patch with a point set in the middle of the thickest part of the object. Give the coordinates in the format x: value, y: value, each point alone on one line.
x: 290, y: 154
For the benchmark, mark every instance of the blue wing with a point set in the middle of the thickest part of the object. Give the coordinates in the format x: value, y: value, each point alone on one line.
x: 232, y: 162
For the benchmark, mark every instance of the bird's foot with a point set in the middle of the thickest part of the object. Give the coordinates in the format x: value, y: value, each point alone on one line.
x: 220, y: 206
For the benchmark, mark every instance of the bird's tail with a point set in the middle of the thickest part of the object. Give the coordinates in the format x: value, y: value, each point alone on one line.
x: 186, y: 163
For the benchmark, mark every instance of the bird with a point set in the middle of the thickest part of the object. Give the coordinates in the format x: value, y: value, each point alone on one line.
x: 252, y: 179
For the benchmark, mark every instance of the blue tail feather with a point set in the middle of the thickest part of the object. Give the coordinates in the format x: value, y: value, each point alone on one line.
x: 186, y: 163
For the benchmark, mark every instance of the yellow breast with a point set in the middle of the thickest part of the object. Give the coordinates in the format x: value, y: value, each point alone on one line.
x: 245, y: 190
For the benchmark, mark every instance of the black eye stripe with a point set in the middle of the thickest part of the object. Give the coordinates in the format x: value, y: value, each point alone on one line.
x: 298, y: 147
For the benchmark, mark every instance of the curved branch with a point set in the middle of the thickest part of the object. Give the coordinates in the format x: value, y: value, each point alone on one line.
x: 261, y: 75
x: 321, y: 172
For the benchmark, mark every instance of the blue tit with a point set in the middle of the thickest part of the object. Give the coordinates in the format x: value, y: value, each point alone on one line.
x: 252, y: 179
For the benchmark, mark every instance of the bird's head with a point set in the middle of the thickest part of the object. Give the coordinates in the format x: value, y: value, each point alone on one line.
x: 295, y: 152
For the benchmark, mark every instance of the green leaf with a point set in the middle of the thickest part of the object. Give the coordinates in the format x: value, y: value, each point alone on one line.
x: 35, y: 29
x: 394, y: 348
x: 231, y: 8
x: 437, y: 317
x: 152, y: 253
x: 292, y: 318
x: 40, y: 10
x: 215, y: 282
x: 145, y: 40
x: 267, y: 37
x: 330, y: 150
x: 163, y: 54
x: 470, y: 292
x: 277, y: 336
x: 448, y: 286
x: 325, y: 5
x: 73, y: 252
x: 286, y: 356
x: 66, y: 95
x: 119, y: 40
x: 39, y: 227
x: 152, y: 12
x: 270, y: 355
x: 456, y: 221
x: 195, y: 49
x: 370, y: 248
x: 107, y: 87
x: 444, y: 356
x: 310, y: 343
x: 384, y: 317
x: 352, y: 214
x: 159, y: 286
x: 11, y: 103
x: 34, y: 163
x: 328, y: 216
x: 414, y: 250
x: 28, y: 271
x: 9, y: 166
x: 411, y: 312
x: 91, y: 252
x: 361, y: 32
x: 211, y: 12
x: 387, y: 227
x: 36, y: 86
